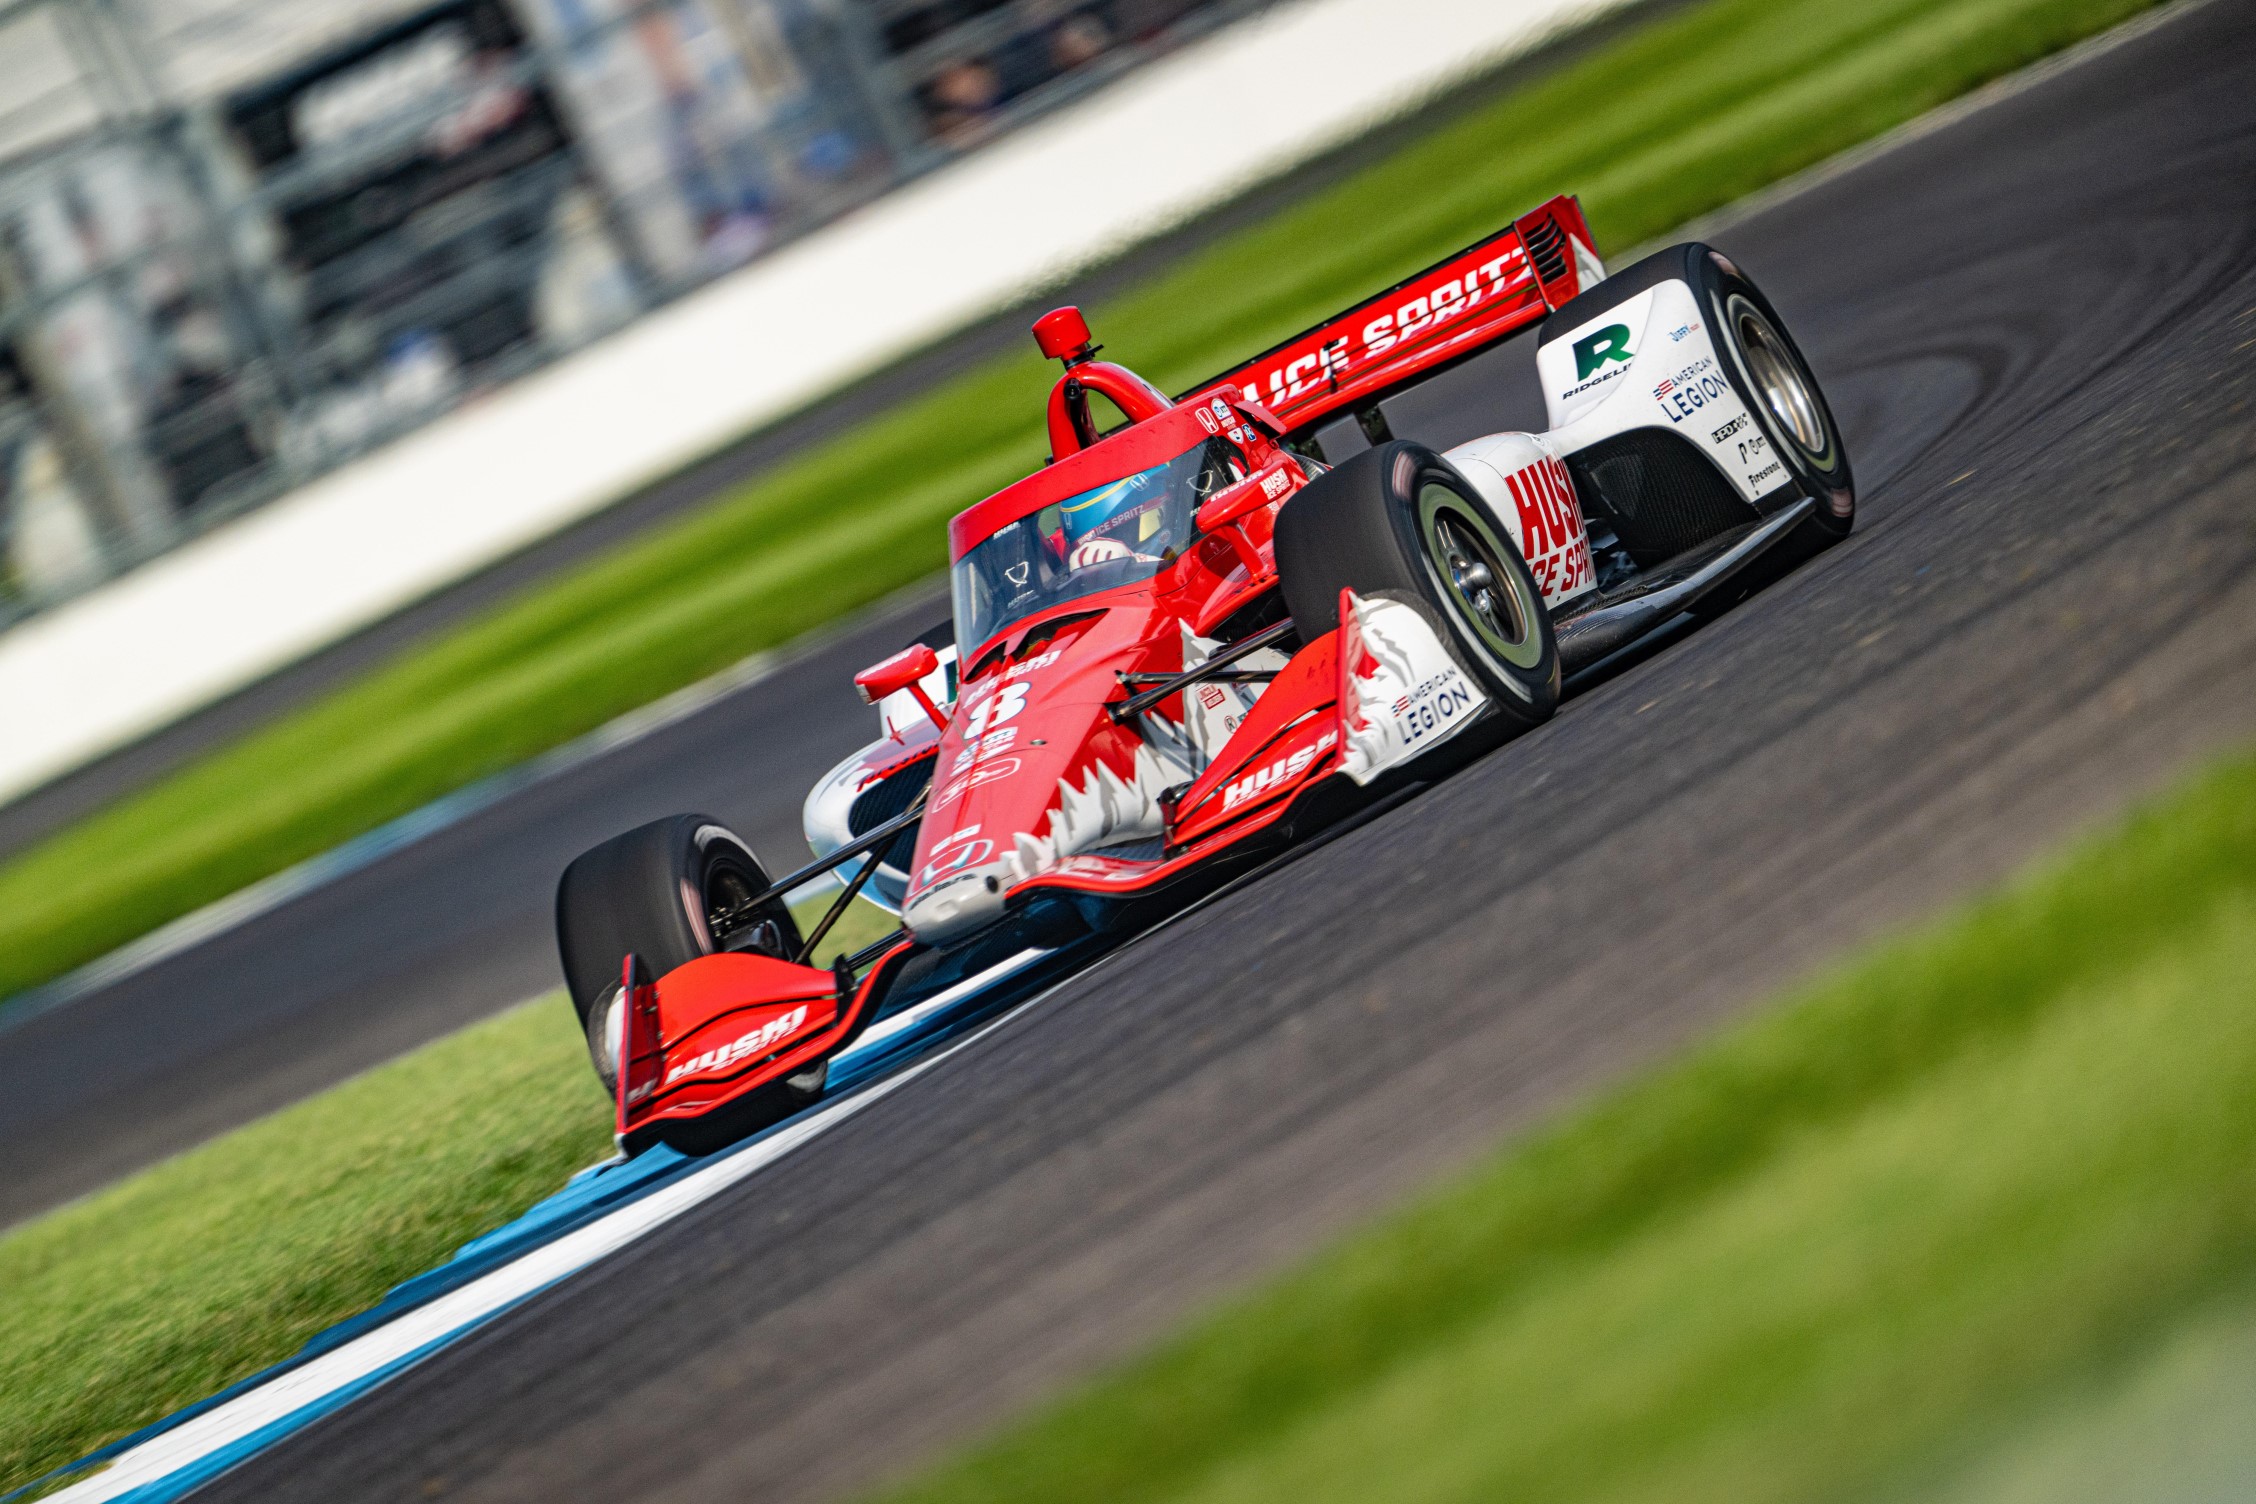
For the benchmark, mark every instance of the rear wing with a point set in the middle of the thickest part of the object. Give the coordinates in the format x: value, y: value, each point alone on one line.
x: 1452, y: 310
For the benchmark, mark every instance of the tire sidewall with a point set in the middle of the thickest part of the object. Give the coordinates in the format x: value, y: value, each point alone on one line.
x: 1525, y: 685
x: 1724, y: 293
x: 643, y: 892
x: 1365, y: 526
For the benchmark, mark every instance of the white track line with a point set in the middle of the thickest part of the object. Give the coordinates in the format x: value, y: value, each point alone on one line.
x: 422, y: 1330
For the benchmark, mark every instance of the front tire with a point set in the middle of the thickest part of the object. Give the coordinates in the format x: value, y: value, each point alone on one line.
x: 661, y: 892
x: 1399, y: 521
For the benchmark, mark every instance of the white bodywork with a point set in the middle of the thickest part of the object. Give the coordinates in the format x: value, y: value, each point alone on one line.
x: 830, y: 802
x: 1401, y: 694
x: 1532, y: 498
x: 1652, y: 362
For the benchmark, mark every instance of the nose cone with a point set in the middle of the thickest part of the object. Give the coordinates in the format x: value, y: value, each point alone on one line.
x: 960, y: 904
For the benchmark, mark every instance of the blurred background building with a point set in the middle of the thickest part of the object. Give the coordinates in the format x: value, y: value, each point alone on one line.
x: 242, y: 241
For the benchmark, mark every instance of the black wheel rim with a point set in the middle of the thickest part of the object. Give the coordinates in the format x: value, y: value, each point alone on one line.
x: 1487, y: 594
x: 730, y: 920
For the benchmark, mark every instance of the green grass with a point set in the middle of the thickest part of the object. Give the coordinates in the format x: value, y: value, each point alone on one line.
x: 174, y: 1284
x: 1832, y: 1255
x: 2173, y: 1425
x: 119, y: 1309
x: 1838, y: 1246
x: 1678, y: 118
x: 862, y: 924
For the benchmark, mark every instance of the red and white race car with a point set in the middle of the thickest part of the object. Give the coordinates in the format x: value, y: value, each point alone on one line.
x: 1204, y: 633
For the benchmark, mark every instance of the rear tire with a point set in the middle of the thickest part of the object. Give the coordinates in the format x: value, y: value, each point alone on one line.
x: 655, y: 892
x: 1398, y: 521
x: 1775, y: 382
x: 1771, y: 377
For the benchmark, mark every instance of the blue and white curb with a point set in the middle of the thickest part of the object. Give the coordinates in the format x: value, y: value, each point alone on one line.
x: 601, y: 1211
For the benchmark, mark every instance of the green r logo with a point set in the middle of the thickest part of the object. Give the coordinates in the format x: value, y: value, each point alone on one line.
x: 1609, y: 343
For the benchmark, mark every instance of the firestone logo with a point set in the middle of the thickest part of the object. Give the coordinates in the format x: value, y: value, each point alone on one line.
x: 757, y: 1042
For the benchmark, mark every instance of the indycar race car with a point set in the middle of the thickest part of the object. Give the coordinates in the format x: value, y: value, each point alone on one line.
x: 1206, y: 631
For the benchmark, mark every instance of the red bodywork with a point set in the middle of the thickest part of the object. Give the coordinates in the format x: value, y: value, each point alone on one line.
x: 1038, y: 791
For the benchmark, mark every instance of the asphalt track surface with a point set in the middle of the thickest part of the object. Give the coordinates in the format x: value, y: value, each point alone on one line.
x: 2036, y: 326
x: 42, y: 811
x: 458, y: 927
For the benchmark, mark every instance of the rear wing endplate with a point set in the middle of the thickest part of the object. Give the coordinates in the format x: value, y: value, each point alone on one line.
x: 1450, y: 311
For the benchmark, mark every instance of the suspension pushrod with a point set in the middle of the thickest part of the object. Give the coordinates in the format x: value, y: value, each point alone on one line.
x: 868, y: 840
x: 1136, y: 704
x: 846, y: 895
x: 1219, y: 676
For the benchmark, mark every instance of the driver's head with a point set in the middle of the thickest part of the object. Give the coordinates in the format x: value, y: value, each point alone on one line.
x: 1127, y: 512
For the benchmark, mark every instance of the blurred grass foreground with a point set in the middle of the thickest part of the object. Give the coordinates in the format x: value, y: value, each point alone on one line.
x: 1955, y: 1212
x: 1973, y: 1219
x: 1698, y: 108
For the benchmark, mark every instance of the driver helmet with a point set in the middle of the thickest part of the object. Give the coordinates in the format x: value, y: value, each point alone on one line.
x: 1124, y: 514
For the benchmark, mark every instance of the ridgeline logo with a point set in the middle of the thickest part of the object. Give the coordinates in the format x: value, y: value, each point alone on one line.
x: 1609, y: 343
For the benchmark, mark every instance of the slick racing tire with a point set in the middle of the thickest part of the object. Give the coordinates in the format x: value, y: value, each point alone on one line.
x: 656, y: 892
x: 1764, y: 366
x: 1788, y: 405
x: 1785, y: 399
x: 1399, y: 521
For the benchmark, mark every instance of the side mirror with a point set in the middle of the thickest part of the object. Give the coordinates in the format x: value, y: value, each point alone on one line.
x: 1063, y: 334
x: 1259, y: 416
x: 904, y: 670
x: 1256, y: 491
x: 1233, y: 502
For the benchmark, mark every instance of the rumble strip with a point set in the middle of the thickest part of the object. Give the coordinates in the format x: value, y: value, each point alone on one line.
x: 176, y: 1456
